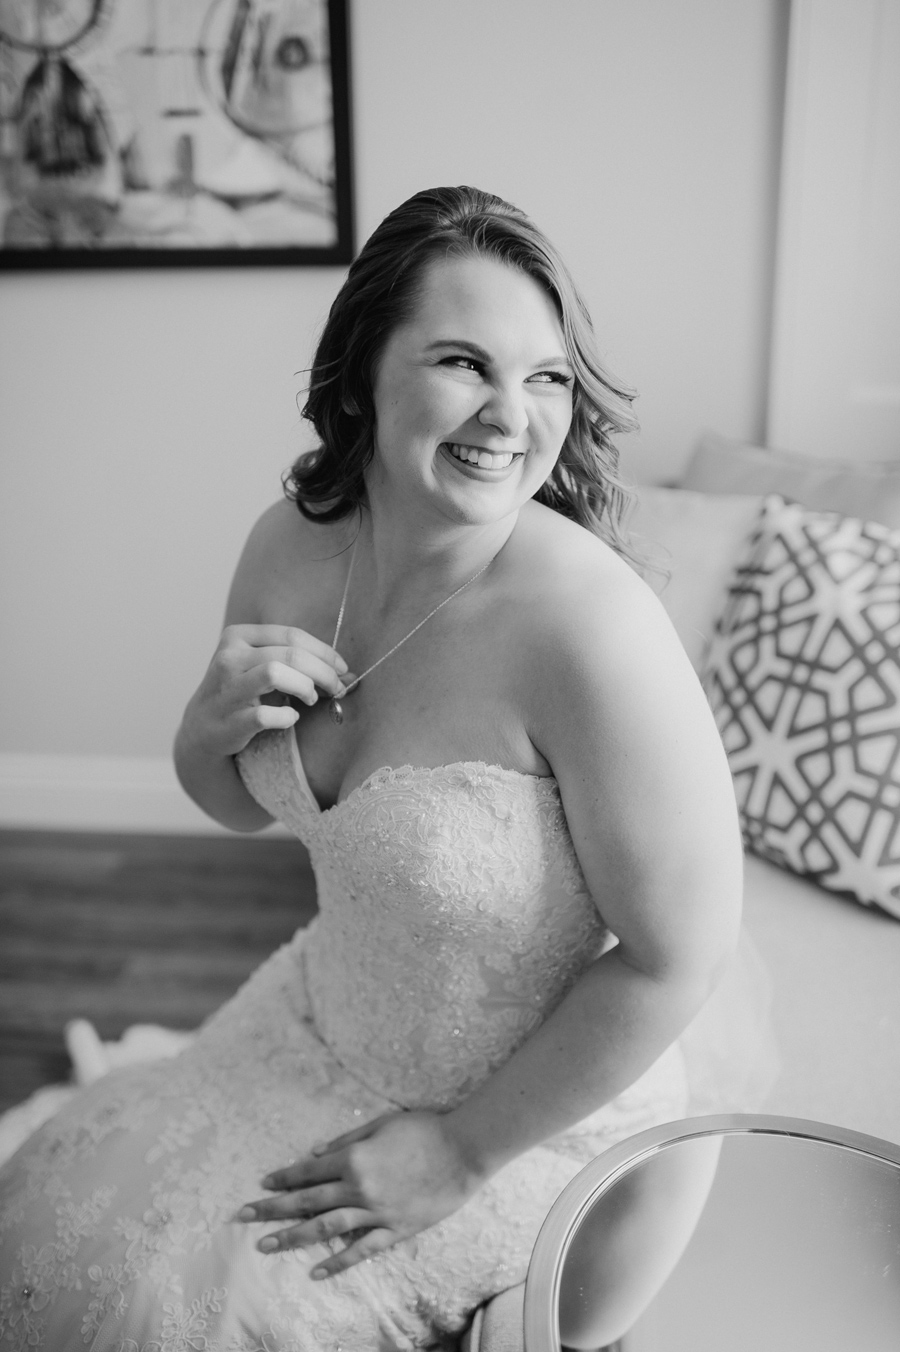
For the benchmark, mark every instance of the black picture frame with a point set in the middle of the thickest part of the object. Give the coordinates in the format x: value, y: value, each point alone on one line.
x: 336, y: 188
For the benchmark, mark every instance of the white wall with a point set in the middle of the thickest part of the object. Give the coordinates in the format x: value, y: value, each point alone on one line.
x: 145, y: 417
x: 642, y: 135
x: 834, y: 387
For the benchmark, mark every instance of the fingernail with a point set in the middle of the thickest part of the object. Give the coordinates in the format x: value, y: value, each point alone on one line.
x: 268, y: 1181
x: 268, y: 1245
x: 319, y: 1148
x: 318, y: 1273
x: 341, y: 665
x: 247, y: 1213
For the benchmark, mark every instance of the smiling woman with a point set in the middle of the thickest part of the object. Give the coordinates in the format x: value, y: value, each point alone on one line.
x: 525, y: 844
x: 381, y: 293
x: 447, y: 420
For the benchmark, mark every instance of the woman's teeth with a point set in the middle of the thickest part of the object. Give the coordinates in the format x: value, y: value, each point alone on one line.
x: 483, y: 459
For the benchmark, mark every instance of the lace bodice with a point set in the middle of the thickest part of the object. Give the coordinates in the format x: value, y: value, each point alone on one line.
x: 453, y: 915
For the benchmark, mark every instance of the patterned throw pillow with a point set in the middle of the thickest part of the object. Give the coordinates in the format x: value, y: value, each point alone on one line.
x: 803, y: 675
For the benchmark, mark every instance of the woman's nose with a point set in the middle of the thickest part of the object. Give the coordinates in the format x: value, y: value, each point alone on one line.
x: 504, y: 409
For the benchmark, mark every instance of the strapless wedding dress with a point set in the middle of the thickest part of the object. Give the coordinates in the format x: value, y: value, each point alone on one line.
x: 453, y: 917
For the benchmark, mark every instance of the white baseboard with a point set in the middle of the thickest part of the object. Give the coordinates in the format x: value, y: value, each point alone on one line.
x: 99, y: 793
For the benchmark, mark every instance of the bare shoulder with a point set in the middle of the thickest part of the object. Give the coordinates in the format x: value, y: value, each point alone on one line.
x: 285, y: 556
x: 608, y: 679
x: 585, y: 603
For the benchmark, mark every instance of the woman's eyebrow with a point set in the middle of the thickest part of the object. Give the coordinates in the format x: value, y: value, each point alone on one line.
x: 474, y: 350
x: 460, y: 345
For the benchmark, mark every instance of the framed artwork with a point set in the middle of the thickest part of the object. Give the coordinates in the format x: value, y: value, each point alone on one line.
x: 174, y: 132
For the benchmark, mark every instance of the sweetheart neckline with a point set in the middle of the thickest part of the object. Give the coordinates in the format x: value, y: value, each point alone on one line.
x: 306, y: 788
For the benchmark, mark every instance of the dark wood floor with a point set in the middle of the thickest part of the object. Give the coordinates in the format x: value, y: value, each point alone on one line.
x: 123, y: 929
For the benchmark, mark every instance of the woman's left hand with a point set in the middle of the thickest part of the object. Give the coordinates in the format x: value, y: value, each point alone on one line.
x: 392, y: 1178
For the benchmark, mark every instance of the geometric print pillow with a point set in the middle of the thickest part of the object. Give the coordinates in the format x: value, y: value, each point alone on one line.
x: 803, y: 676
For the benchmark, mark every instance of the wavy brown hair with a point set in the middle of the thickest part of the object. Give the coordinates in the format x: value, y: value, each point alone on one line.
x: 381, y: 292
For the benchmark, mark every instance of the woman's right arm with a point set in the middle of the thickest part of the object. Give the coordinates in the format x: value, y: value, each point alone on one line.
x: 252, y: 664
x: 254, y: 670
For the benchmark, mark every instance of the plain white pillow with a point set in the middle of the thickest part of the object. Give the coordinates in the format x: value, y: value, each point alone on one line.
x: 699, y: 538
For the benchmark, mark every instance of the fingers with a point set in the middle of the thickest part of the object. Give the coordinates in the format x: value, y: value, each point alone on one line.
x: 247, y: 722
x: 317, y: 1230
x: 350, y: 1137
x: 367, y: 1246
x: 318, y: 1167
x: 284, y: 636
x: 289, y: 679
x: 304, y: 1174
x: 304, y: 1202
x: 291, y: 671
x: 307, y: 664
x: 256, y: 673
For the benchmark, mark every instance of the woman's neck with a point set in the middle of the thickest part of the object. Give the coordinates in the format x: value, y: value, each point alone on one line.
x: 405, y: 563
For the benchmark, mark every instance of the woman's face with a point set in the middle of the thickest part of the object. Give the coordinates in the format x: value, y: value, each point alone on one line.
x: 473, y: 395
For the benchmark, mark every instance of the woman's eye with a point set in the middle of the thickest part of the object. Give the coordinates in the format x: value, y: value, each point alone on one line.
x: 468, y: 362
x: 552, y: 378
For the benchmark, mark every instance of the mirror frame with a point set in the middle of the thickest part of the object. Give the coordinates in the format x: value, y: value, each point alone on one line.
x: 601, y: 1174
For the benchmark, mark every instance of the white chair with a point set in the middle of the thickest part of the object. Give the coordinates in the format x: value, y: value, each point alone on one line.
x: 773, y: 1233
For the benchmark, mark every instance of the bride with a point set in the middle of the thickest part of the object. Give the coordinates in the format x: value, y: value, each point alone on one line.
x: 441, y: 672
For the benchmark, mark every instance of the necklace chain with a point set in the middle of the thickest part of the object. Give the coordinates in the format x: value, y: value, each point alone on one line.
x: 335, y: 709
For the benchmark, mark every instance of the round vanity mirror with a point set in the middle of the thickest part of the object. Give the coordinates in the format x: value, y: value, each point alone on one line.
x: 738, y: 1233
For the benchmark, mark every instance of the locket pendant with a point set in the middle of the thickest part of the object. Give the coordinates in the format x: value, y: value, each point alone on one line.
x: 335, y: 711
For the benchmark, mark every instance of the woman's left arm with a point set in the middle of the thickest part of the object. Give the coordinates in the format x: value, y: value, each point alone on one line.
x: 650, y: 807
x: 620, y: 716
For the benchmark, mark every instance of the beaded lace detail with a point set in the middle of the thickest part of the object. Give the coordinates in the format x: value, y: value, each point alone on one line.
x: 453, y: 917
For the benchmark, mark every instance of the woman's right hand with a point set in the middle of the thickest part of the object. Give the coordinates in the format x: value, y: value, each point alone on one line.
x: 255, y: 670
